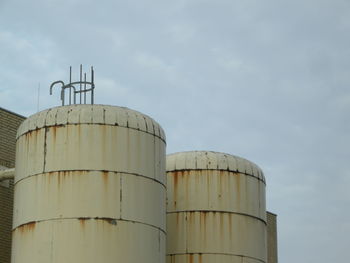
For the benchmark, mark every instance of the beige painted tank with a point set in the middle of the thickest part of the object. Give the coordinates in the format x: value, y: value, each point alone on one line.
x: 215, y: 209
x: 89, y: 187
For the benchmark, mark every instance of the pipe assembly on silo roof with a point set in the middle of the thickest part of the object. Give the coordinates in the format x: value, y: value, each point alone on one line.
x: 215, y: 209
x: 89, y: 187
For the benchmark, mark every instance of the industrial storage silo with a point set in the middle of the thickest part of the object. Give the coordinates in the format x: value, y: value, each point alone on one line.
x: 215, y: 209
x: 89, y: 187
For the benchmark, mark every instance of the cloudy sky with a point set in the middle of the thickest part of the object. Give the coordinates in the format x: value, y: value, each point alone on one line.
x: 265, y: 80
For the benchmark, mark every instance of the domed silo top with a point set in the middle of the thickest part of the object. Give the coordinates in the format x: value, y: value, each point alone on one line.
x: 92, y: 114
x: 208, y: 160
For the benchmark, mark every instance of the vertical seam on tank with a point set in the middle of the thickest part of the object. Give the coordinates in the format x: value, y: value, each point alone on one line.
x: 45, y: 146
x: 55, y: 122
x: 187, y: 226
x: 259, y: 194
x: 137, y: 122
x: 121, y: 194
x: 154, y: 158
x: 104, y: 116
x: 159, y: 241
x: 52, y: 242
x: 144, y: 118
x: 45, y: 149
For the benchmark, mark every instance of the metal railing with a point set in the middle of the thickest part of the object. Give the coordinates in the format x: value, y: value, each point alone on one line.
x: 73, y: 92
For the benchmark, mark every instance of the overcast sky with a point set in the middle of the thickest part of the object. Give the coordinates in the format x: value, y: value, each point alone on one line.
x: 265, y: 80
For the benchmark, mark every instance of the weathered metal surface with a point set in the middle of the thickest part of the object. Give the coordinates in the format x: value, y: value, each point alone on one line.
x: 63, y: 135
x: 216, y: 233
x: 209, y: 258
x: 87, y: 241
x: 30, y: 150
x: 92, y: 114
x: 215, y: 190
x: 89, y: 187
x: 215, y: 209
x: 206, y: 160
x: 75, y: 194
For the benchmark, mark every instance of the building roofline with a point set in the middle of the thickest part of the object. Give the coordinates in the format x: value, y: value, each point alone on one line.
x: 13, y: 113
x: 271, y: 213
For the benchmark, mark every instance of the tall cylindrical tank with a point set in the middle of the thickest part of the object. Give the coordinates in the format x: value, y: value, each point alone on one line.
x: 89, y: 187
x: 215, y: 209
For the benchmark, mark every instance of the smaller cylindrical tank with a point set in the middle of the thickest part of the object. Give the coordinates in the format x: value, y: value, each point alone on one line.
x: 215, y: 209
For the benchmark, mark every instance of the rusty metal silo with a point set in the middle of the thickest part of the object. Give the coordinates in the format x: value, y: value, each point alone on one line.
x: 89, y: 187
x: 215, y: 209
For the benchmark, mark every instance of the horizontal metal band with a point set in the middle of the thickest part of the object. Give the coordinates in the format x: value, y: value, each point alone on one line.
x: 220, y: 170
x: 208, y: 253
x: 102, y: 171
x: 218, y: 211
x: 113, y: 221
x: 96, y: 124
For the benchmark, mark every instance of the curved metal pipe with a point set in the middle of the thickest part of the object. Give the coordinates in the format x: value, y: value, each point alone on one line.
x: 7, y: 174
x: 54, y: 83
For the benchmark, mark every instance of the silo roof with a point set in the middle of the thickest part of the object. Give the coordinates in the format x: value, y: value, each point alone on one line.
x: 208, y: 160
x: 92, y: 114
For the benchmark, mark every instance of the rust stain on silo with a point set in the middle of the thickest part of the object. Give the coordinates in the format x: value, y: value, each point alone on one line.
x: 82, y: 221
x: 59, y: 178
x: 54, y: 132
x: 191, y: 216
x: 28, y: 227
x: 105, y: 178
x: 176, y: 175
x: 203, y: 223
x: 222, y: 181
x: 237, y: 177
x: 230, y: 226
x: 203, y: 217
x: 200, y: 258
x: 221, y: 215
x: 190, y: 258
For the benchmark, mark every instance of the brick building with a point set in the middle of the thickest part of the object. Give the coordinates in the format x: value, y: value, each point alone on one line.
x: 271, y: 237
x: 9, y: 123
